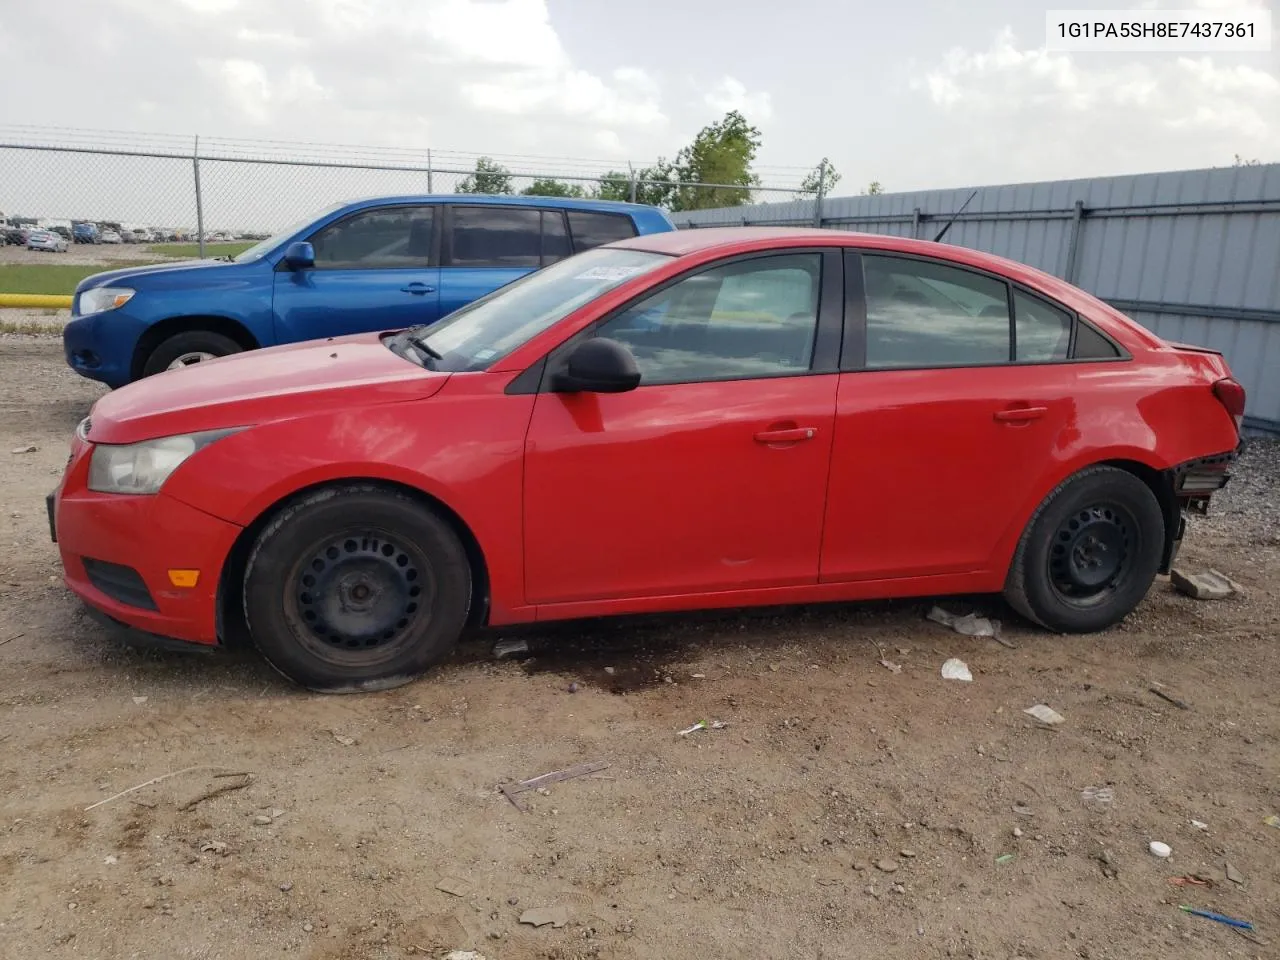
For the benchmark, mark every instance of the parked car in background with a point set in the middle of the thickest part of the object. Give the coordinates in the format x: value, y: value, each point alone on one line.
x: 709, y: 418
x: 110, y: 236
x: 47, y: 241
x: 16, y: 236
x: 368, y: 265
x: 85, y: 233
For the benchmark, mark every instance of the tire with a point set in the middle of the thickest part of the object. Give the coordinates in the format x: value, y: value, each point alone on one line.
x: 204, y: 344
x: 1089, y: 554
x: 355, y: 588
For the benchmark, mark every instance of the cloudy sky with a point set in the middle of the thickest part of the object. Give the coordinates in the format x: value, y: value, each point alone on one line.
x: 917, y: 93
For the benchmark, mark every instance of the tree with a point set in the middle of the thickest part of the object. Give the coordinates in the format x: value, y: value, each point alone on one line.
x: 654, y: 185
x: 720, y: 154
x: 1242, y: 162
x: 489, y: 177
x: 873, y: 189
x: 546, y: 187
x: 613, y: 186
x: 815, y: 177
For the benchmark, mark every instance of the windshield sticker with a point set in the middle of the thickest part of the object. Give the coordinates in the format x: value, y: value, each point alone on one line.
x: 485, y: 354
x: 609, y: 273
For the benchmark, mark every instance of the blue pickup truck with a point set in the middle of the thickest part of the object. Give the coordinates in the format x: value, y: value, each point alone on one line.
x: 369, y: 265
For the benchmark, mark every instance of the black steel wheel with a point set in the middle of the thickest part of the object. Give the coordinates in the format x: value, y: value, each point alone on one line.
x: 1090, y: 552
x: 360, y: 591
x: 356, y: 588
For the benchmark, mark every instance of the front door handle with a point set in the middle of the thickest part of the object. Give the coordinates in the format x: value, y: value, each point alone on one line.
x: 418, y: 287
x: 1020, y: 414
x: 787, y: 435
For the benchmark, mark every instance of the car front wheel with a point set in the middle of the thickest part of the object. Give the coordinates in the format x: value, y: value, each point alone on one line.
x: 187, y: 348
x: 1089, y: 554
x: 355, y: 588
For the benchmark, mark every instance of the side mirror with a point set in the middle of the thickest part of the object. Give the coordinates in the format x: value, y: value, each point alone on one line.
x: 300, y: 255
x: 598, y: 365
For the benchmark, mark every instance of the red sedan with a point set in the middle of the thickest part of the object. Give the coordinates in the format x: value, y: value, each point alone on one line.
x: 708, y: 418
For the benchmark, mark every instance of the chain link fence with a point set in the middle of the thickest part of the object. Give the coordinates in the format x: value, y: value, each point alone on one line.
x: 163, y: 189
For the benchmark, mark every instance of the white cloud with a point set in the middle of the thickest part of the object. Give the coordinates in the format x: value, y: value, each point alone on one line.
x: 731, y: 94
x: 209, y: 6
x: 247, y: 87
x: 1025, y: 113
x: 573, y: 93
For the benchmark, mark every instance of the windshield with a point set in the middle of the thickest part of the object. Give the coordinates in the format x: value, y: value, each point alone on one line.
x: 263, y: 247
x: 487, y: 329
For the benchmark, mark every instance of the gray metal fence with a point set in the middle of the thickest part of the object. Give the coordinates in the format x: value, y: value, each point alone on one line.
x: 1193, y: 255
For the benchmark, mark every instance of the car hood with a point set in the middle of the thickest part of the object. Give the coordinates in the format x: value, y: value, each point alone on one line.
x: 153, y: 270
x: 278, y: 383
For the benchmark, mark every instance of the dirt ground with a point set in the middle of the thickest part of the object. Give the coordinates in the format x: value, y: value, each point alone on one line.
x: 845, y: 811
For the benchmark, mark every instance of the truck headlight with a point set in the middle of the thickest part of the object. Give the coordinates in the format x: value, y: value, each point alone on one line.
x: 142, y: 468
x: 104, y: 298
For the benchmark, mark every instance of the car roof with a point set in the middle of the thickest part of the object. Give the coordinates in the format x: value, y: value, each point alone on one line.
x: 506, y: 200
x: 727, y: 241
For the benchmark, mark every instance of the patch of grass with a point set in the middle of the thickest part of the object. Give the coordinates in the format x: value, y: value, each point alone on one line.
x: 188, y: 250
x: 54, y: 278
x: 30, y: 327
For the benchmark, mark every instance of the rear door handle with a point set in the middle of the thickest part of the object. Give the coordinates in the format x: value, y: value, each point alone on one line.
x: 789, y: 435
x: 1020, y: 414
x: 418, y: 287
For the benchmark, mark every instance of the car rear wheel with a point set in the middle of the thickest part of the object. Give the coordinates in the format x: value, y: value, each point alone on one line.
x: 1089, y: 554
x: 356, y: 588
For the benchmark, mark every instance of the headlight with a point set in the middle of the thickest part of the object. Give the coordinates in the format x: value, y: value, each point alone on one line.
x: 104, y: 298
x: 144, y: 467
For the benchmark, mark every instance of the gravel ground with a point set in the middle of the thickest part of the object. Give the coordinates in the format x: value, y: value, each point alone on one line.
x: 845, y: 810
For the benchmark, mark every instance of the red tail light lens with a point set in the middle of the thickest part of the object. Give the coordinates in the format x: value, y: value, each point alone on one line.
x: 1231, y: 395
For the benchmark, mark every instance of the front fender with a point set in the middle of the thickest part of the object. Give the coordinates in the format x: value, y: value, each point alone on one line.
x: 464, y: 447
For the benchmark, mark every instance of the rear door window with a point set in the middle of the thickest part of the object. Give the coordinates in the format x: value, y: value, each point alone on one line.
x: 555, y: 238
x: 1042, y: 332
x: 921, y: 313
x: 492, y: 236
x: 595, y: 229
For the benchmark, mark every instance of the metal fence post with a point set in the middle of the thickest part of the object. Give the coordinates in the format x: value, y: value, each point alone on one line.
x: 915, y: 224
x: 430, y: 188
x: 195, y: 165
x: 632, y: 171
x: 1073, y: 242
x: 821, y: 194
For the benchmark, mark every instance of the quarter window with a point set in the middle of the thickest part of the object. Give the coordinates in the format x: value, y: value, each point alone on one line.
x: 1091, y: 345
x: 926, y: 314
x: 386, y: 238
x: 594, y: 229
x: 755, y: 318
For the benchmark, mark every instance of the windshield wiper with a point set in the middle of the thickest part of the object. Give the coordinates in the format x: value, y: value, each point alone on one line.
x: 429, y: 354
x: 422, y: 345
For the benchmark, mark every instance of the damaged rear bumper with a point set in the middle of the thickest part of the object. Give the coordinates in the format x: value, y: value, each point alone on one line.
x: 1191, y: 485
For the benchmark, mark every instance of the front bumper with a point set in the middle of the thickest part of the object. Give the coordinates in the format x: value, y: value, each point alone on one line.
x: 117, y: 551
x: 100, y: 346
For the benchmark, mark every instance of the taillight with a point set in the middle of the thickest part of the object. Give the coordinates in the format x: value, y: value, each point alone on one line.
x: 1231, y: 395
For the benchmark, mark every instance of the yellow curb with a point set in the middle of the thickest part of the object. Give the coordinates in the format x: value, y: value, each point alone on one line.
x: 35, y: 300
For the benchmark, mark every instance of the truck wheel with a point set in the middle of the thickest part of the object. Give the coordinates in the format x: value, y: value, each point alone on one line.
x: 184, y: 349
